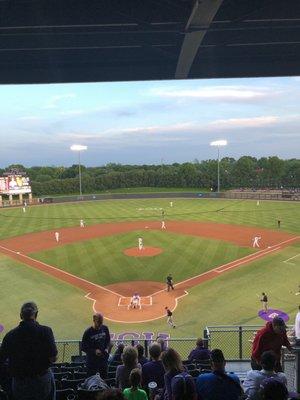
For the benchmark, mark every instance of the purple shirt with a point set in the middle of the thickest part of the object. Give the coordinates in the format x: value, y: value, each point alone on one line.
x: 153, y: 371
x: 199, y: 354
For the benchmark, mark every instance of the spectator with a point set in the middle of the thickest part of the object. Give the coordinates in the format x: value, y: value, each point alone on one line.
x: 173, y: 366
x: 30, y: 349
x: 153, y: 371
x: 134, y: 392
x: 117, y: 357
x: 129, y: 359
x: 183, y: 387
x: 218, y: 384
x: 297, y: 325
x: 141, y: 359
x: 111, y: 394
x: 271, y: 337
x: 200, y: 353
x: 96, y: 343
x: 161, y: 341
x: 273, y: 389
x: 254, y: 378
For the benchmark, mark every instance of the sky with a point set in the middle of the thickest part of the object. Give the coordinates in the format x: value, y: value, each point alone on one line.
x: 149, y: 122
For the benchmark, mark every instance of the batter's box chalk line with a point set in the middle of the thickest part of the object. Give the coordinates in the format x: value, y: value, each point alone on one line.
x: 126, y: 301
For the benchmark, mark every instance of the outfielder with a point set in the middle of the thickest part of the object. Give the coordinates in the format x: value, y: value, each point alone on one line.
x: 171, y: 203
x: 24, y: 209
x: 163, y: 225
x: 257, y: 203
x: 135, y: 301
x: 56, y: 234
x: 140, y: 243
x: 81, y: 223
x: 256, y: 239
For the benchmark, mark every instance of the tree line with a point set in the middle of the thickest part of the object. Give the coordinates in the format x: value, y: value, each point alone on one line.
x: 246, y: 172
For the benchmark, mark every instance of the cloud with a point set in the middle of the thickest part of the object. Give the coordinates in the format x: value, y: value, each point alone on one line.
x: 30, y: 118
x: 54, y: 100
x: 223, y: 93
x: 238, y: 123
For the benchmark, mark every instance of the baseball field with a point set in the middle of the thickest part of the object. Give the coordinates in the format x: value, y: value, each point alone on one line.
x: 206, y: 247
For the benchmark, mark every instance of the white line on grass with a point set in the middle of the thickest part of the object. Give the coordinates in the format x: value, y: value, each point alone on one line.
x: 60, y: 270
x: 291, y: 258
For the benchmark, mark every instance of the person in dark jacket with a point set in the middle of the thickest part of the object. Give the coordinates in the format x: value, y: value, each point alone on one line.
x: 200, y: 353
x: 271, y: 337
x: 29, y: 350
x: 96, y: 343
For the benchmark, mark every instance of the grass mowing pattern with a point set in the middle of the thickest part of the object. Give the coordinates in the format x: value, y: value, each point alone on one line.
x: 228, y: 299
x: 244, y: 212
x: 102, y: 261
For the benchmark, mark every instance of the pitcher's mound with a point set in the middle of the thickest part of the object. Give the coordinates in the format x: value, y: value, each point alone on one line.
x: 146, y: 252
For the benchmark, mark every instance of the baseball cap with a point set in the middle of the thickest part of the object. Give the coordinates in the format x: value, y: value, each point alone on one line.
x: 28, y: 309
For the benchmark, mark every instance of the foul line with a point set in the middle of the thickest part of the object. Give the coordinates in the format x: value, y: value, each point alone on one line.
x: 291, y: 258
x: 243, y: 260
x: 60, y: 271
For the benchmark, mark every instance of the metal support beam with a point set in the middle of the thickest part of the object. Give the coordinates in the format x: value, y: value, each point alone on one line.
x: 202, y: 15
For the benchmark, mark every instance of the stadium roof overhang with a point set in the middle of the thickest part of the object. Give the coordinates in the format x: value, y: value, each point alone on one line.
x: 44, y: 41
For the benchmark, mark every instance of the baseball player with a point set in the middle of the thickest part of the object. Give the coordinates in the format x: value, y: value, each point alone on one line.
x: 257, y: 203
x: 140, y: 244
x: 169, y: 317
x: 171, y: 203
x: 255, y: 240
x: 135, y: 301
x: 56, y: 234
x: 278, y: 223
x: 81, y: 223
x: 24, y: 209
x: 264, y: 300
x: 163, y: 214
x: 169, y: 282
x: 163, y: 225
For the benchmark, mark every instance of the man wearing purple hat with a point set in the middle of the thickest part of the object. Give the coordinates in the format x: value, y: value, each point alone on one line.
x: 95, y: 343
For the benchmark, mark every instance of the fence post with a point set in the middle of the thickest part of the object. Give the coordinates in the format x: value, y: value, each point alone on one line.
x: 205, y: 337
x: 240, y: 342
x: 146, y: 348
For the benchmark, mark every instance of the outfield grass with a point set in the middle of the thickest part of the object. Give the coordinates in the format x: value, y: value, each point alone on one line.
x: 244, y: 212
x: 229, y: 299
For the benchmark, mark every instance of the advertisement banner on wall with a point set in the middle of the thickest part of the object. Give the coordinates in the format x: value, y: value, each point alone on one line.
x: 14, y: 184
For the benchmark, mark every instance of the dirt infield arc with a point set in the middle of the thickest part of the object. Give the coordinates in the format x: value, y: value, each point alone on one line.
x: 107, y: 299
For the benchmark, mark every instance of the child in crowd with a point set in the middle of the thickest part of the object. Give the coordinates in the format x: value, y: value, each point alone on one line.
x: 134, y: 392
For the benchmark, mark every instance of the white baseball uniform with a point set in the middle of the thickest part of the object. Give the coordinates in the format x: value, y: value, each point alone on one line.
x: 257, y: 203
x: 163, y: 225
x: 171, y: 203
x: 24, y: 209
x: 81, y: 223
x: 256, y: 239
x: 56, y: 236
x: 140, y: 244
x: 136, y: 301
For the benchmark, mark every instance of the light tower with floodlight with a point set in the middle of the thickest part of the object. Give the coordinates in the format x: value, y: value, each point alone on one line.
x: 219, y: 143
x: 79, y: 148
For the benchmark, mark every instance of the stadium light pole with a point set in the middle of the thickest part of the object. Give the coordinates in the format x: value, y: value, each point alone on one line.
x: 79, y: 148
x: 218, y: 144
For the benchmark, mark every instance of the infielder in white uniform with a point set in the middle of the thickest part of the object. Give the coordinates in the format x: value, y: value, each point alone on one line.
x: 81, y: 223
x: 140, y: 243
x: 256, y: 239
x: 56, y: 234
x: 163, y: 225
x: 135, y: 301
